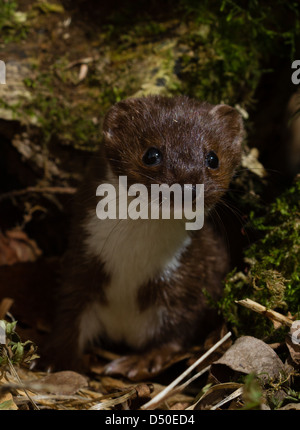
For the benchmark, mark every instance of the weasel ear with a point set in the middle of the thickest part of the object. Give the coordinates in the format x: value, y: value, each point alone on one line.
x: 231, y: 119
x: 117, y: 117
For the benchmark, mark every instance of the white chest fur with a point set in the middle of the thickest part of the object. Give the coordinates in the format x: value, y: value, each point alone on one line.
x: 133, y: 252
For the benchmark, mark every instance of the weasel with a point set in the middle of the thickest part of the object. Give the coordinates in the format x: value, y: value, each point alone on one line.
x: 139, y: 283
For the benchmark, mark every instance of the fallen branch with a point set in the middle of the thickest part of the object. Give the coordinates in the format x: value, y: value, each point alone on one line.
x: 275, y: 317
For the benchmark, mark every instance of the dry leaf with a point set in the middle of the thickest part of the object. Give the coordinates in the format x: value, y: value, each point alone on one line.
x: 144, y: 390
x: 143, y: 394
x: 248, y: 355
x: 7, y: 402
x: 139, y: 363
x: 290, y: 406
x: 5, y: 305
x: 215, y: 394
x: 112, y: 384
x: 16, y: 247
x: 66, y: 382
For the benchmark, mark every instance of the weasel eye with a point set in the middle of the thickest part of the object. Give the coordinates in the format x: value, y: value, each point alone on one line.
x: 212, y: 160
x: 152, y: 157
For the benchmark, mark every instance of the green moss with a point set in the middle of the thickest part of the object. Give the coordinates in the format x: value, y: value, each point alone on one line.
x: 58, y: 117
x: 252, y: 393
x: 272, y: 274
x: 47, y: 7
x: 227, y: 61
x: 222, y: 48
x: 209, y: 50
x: 13, y: 26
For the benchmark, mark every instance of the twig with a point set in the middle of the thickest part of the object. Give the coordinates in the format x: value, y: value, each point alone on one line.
x: 231, y: 396
x: 181, y: 387
x: 53, y: 190
x: 166, y: 391
x: 269, y: 313
x: 188, y: 382
x: 86, y: 60
x: 13, y: 371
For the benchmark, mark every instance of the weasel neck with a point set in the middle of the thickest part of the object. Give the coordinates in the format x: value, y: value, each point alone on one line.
x: 143, y: 248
